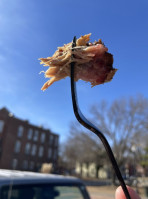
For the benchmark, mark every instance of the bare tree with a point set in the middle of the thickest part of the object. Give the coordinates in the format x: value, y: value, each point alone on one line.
x: 123, y: 122
x: 81, y: 146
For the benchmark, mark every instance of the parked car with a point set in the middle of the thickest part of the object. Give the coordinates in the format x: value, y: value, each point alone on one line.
x: 30, y: 185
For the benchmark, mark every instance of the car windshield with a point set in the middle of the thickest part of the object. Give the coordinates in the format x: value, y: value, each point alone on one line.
x: 42, y: 192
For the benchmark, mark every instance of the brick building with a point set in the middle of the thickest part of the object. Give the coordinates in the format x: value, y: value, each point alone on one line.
x: 24, y: 146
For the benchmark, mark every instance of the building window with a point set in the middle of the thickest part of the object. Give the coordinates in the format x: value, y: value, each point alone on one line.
x: 27, y: 148
x: 38, y: 166
x: 41, y: 151
x: 20, y: 131
x: 25, y: 164
x: 56, y: 141
x: 17, y: 147
x: 14, y: 163
x: 50, y: 139
x: 1, y: 125
x: 31, y: 166
x: 36, y: 134
x: 49, y: 152
x: 43, y: 137
x: 34, y: 148
x: 30, y: 133
x: 55, y: 154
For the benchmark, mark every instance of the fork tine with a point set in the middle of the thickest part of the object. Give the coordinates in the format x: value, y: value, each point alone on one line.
x: 80, y: 117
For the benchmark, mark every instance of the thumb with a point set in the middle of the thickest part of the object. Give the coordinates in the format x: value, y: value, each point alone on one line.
x: 119, y: 194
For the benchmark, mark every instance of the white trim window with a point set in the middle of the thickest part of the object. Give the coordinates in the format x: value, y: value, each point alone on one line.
x: 42, y: 138
x: 17, y: 146
x: 1, y: 126
x: 25, y: 164
x: 49, y: 152
x: 20, y: 131
x: 27, y: 148
x: 36, y: 135
x: 14, y: 163
x: 31, y: 166
x: 41, y: 151
x: 34, y: 148
x: 51, y: 138
x: 30, y: 134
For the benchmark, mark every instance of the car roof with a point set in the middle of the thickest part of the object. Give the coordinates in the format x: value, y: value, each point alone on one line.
x: 25, y: 177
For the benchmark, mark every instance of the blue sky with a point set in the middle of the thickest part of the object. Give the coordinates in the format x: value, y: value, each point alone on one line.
x: 33, y: 29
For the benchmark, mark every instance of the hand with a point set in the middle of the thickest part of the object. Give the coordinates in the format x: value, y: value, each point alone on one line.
x: 119, y: 194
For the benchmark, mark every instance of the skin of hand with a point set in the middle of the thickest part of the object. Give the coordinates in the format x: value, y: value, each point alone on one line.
x: 119, y: 194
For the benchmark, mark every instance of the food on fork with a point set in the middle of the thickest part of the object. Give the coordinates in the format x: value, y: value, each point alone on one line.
x: 92, y: 62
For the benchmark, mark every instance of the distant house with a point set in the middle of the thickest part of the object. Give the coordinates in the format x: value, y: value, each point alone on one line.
x: 90, y: 170
x: 24, y: 146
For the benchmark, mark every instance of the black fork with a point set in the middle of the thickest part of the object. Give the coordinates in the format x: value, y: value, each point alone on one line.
x: 80, y: 117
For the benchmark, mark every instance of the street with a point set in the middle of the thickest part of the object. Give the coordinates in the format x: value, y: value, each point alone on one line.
x: 107, y: 192
x: 101, y: 192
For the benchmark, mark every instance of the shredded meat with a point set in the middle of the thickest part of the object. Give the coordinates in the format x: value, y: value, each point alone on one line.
x: 92, y: 62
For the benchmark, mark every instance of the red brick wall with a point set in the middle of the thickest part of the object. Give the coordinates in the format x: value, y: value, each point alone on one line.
x: 8, y: 139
